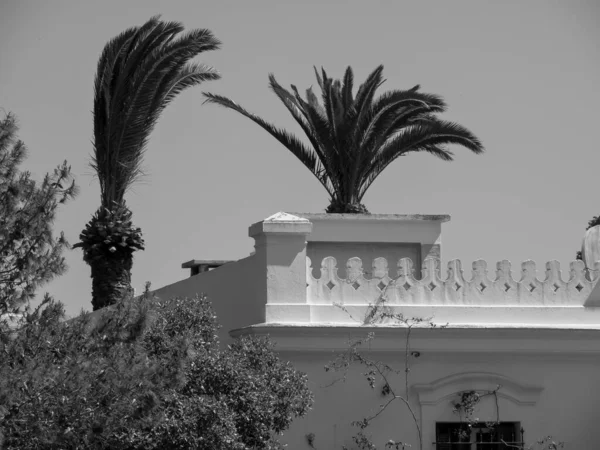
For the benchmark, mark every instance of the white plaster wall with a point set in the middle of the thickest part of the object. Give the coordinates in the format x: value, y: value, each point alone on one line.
x: 551, y: 344
x: 237, y: 292
x: 367, y: 229
x: 568, y: 407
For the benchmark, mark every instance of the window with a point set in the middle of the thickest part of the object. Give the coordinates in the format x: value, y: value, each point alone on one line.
x: 458, y: 436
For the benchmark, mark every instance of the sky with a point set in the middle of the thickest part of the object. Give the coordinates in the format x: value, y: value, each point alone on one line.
x: 522, y: 75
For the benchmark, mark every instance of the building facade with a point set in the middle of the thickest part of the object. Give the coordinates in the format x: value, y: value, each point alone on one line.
x: 514, y: 355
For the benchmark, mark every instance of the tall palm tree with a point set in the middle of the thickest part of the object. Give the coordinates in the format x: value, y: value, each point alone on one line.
x: 353, y: 138
x: 139, y: 73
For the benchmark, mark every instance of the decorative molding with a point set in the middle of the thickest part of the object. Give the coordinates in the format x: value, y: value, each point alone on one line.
x: 453, y: 343
x: 447, y: 387
x: 281, y: 223
x: 437, y: 398
x: 285, y: 217
x: 375, y: 217
x: 483, y: 287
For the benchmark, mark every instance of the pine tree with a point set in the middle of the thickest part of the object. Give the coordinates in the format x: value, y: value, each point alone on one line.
x: 30, y: 255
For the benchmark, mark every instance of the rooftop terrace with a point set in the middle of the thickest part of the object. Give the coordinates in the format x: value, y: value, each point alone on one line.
x: 329, y: 269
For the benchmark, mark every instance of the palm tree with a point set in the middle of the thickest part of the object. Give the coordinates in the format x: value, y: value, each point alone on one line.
x: 352, y: 139
x: 139, y: 73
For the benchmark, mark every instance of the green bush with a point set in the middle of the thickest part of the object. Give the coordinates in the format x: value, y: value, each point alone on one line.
x: 143, y: 374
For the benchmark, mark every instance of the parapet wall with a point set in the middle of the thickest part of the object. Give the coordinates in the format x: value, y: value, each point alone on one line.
x: 400, y: 286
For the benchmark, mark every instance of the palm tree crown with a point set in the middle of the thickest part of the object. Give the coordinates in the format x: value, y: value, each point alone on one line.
x: 139, y: 73
x: 353, y: 138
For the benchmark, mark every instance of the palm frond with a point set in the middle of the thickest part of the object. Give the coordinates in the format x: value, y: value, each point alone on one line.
x: 393, y: 96
x: 127, y: 115
x: 388, y: 126
x: 312, y: 100
x: 354, y: 138
x: 150, y: 36
x: 393, y: 118
x: 188, y: 76
x: 319, y: 80
x: 367, y: 90
x: 165, y: 64
x: 140, y: 36
x: 347, y: 88
x: 329, y: 105
x: 391, y: 113
x: 139, y: 73
x: 431, y: 137
x: 317, y: 117
x: 108, y: 59
x: 103, y: 83
x: 364, y: 97
x: 305, y: 154
x: 299, y: 110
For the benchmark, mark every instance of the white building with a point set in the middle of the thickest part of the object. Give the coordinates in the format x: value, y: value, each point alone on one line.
x: 313, y: 281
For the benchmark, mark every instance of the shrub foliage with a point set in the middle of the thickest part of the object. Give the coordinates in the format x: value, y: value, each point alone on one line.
x: 143, y: 375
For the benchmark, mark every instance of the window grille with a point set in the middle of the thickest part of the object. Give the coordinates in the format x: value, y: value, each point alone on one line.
x: 479, y: 436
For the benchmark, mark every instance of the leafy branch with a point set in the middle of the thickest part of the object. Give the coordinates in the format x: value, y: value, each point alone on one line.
x: 547, y: 443
x: 379, y: 313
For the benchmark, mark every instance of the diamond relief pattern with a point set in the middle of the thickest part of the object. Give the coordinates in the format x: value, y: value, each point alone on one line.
x: 490, y: 290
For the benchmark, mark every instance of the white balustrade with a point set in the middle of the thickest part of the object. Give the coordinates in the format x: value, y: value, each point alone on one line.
x: 483, y: 287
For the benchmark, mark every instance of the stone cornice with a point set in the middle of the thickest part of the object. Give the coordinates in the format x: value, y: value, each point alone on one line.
x: 515, y: 341
x: 376, y: 217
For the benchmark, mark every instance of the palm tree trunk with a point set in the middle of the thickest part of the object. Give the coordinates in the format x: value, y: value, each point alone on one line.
x: 346, y: 207
x: 111, y: 280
